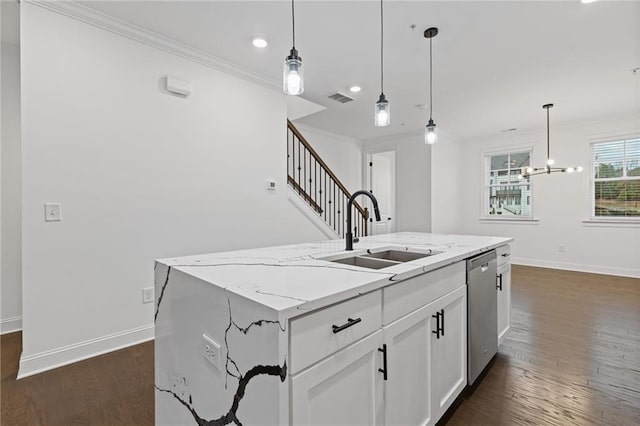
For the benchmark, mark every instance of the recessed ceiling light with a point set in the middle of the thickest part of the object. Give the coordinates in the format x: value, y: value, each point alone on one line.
x: 259, y: 42
x: 355, y: 89
x: 587, y: 1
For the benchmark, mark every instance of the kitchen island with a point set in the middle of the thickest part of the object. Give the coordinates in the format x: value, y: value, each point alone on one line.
x: 308, y: 334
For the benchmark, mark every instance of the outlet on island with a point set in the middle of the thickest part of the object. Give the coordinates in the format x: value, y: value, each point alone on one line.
x: 211, y: 351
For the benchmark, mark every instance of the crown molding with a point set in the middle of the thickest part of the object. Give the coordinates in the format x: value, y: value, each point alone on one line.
x: 133, y: 32
x: 535, y: 132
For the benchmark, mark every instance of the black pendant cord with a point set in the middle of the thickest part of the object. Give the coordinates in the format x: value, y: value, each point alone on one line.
x: 548, y: 144
x: 293, y: 21
x: 381, y: 48
x: 430, y: 78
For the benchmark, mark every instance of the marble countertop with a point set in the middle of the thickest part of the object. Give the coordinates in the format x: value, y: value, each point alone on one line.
x: 297, y: 278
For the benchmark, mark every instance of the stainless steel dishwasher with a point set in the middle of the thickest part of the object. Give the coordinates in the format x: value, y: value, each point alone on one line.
x: 482, y: 313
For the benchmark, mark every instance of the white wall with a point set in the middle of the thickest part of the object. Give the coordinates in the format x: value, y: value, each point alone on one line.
x: 10, y: 290
x: 447, y: 202
x: 413, y: 179
x: 343, y: 155
x: 560, y: 202
x: 141, y: 175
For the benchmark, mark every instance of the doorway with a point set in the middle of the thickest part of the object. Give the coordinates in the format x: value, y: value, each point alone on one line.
x: 381, y: 181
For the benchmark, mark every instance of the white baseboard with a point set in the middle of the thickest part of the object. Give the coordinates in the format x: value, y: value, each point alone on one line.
x: 10, y: 325
x: 594, y: 269
x: 314, y: 218
x: 37, y: 363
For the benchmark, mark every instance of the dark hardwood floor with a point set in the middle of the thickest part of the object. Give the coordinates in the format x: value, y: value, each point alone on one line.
x: 572, y: 358
x: 111, y: 389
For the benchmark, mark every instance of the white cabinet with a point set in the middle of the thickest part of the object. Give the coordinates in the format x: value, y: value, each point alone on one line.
x: 449, y: 350
x: 427, y: 361
x: 408, y: 385
x: 503, y: 288
x: 344, y: 389
x: 409, y: 368
x: 314, y: 336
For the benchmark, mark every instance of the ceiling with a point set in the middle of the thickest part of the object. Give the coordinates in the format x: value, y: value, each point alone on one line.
x: 495, y: 63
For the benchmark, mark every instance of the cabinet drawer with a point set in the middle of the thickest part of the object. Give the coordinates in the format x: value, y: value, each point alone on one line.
x: 504, y: 254
x: 407, y: 296
x: 321, y: 333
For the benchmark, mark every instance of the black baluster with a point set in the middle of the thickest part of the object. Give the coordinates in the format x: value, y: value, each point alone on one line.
x: 299, y: 168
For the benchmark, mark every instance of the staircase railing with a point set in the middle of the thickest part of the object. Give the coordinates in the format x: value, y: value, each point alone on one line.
x: 314, y: 181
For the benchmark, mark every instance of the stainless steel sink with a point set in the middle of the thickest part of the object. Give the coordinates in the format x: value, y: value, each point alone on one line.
x: 383, y: 259
x: 399, y: 255
x: 365, y: 262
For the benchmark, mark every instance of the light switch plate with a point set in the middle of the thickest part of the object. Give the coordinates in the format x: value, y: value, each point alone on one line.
x: 147, y: 295
x: 52, y: 212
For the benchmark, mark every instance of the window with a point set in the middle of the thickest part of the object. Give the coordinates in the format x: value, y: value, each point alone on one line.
x: 615, y: 186
x: 506, y: 194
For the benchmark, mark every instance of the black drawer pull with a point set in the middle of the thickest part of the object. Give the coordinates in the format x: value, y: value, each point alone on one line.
x: 350, y: 322
x: 506, y: 254
x: 499, y: 284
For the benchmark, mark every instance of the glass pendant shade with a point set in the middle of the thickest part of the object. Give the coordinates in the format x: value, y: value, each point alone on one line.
x: 431, y: 133
x: 383, y: 112
x: 293, y: 74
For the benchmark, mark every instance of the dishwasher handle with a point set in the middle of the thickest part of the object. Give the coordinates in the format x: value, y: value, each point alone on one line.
x: 482, y: 261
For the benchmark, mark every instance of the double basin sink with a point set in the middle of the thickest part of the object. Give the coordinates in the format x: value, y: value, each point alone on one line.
x: 383, y: 259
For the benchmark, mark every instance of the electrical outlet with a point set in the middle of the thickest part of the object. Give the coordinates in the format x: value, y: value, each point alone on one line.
x: 211, y: 351
x: 147, y: 295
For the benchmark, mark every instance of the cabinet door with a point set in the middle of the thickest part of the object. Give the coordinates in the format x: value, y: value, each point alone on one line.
x: 344, y: 389
x: 503, y: 288
x: 449, y: 351
x: 408, y: 386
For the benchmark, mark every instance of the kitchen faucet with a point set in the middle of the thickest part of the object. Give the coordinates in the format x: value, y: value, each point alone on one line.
x: 349, y: 236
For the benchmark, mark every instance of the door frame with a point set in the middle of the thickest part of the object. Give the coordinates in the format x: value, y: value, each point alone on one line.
x: 367, y: 158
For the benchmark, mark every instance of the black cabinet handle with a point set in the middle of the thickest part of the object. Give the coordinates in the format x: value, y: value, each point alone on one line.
x: 506, y: 254
x: 499, y: 284
x: 350, y: 322
x: 383, y: 370
x: 437, y: 330
x: 442, y: 322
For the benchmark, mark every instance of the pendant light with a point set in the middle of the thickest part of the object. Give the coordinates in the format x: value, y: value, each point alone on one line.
x: 431, y: 132
x: 382, y: 116
x: 532, y: 171
x: 293, y: 75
